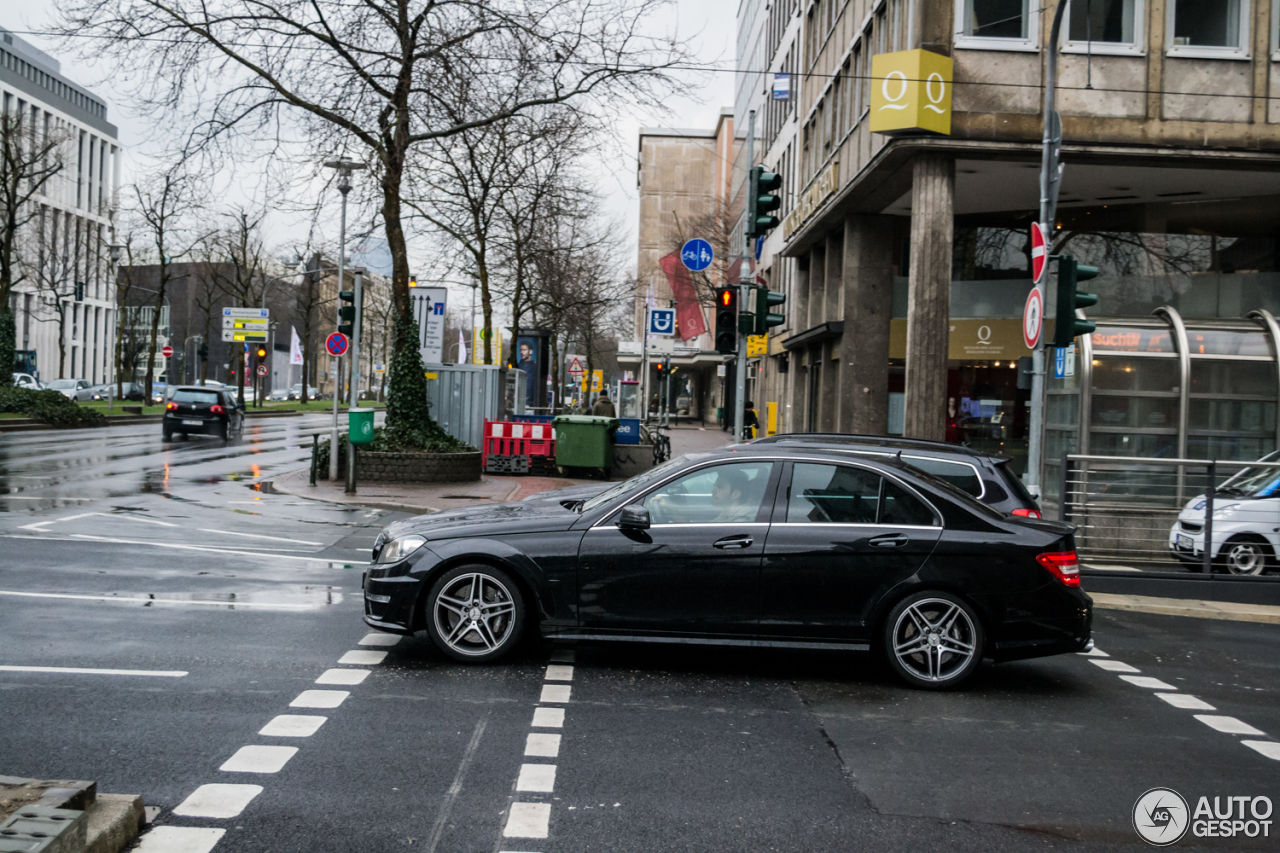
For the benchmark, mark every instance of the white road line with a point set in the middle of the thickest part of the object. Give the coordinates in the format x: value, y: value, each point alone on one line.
x: 259, y: 759
x: 258, y: 551
x: 563, y: 656
x: 548, y: 718
x: 542, y: 745
x: 1094, y: 652
x: 559, y: 672
x: 40, y: 525
x: 1270, y: 749
x: 1230, y: 725
x: 539, y: 778
x: 217, y: 800
x: 120, y: 598
x: 76, y: 670
x: 378, y: 639
x: 259, y: 536
x: 1114, y: 666
x: 179, y: 839
x: 468, y: 755
x: 319, y: 699
x: 1186, y: 702
x: 555, y: 693
x: 362, y: 657
x: 1147, y: 682
x: 292, y: 725
x: 528, y: 820
x: 343, y: 676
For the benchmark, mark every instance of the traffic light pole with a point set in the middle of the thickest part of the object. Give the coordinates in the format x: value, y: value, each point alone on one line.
x: 744, y: 293
x: 1050, y: 178
x: 355, y: 377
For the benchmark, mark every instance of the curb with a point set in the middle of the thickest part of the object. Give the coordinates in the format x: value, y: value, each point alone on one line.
x: 1226, y: 611
x: 79, y: 818
x: 419, y: 510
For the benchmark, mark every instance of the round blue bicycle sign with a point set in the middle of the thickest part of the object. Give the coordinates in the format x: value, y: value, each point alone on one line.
x: 697, y: 254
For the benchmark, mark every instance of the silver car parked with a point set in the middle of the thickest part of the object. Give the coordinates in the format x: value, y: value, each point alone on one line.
x: 76, y: 389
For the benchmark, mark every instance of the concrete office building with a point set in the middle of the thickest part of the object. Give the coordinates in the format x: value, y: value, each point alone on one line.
x: 67, y: 241
x: 905, y: 256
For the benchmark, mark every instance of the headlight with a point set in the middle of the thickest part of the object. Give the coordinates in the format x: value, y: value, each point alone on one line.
x: 398, y: 549
x: 1219, y: 510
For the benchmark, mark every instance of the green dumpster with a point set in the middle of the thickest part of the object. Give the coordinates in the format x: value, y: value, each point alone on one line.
x: 584, y: 441
x: 360, y: 426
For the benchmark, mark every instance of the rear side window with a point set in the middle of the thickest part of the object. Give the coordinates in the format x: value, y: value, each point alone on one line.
x: 902, y: 507
x: 204, y: 398
x: 964, y: 477
x: 1015, y: 485
x: 833, y: 494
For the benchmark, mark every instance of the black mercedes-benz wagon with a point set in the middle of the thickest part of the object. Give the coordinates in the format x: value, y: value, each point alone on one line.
x: 755, y: 545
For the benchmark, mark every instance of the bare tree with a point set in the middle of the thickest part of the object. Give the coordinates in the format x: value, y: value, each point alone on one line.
x: 52, y: 271
x: 377, y: 78
x: 30, y: 158
x: 242, y: 276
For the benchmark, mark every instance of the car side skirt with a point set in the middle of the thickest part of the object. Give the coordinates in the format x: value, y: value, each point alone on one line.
x: 709, y: 641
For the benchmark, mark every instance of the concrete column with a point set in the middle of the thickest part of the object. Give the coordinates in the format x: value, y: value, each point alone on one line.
x: 817, y: 285
x: 929, y: 295
x: 799, y: 299
x: 835, y: 262
x: 868, y: 307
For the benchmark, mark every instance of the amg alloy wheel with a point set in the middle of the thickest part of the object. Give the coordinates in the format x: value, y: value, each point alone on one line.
x: 475, y: 613
x: 1245, y: 557
x: 933, y: 640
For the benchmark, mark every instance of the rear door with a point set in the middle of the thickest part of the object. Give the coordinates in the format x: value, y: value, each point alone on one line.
x: 841, y: 535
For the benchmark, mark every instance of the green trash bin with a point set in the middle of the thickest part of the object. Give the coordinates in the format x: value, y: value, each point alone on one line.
x: 584, y: 441
x: 360, y: 426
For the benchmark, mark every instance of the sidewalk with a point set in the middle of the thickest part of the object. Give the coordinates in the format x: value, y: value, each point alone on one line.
x: 420, y: 498
x: 1226, y: 610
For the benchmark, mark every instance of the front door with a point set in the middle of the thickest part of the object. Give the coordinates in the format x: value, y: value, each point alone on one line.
x: 695, y: 570
x: 841, y: 534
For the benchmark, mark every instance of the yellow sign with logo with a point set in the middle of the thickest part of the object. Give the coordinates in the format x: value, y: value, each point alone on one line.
x: 911, y: 90
x: 597, y: 381
x: 757, y: 345
x: 477, y: 346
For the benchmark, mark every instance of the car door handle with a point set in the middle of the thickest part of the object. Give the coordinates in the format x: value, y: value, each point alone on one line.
x: 893, y: 540
x: 731, y: 543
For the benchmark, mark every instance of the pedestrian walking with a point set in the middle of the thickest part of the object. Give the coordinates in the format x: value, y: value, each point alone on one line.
x: 604, y: 407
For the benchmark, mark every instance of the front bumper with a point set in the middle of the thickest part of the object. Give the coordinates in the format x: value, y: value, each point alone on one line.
x: 392, y: 592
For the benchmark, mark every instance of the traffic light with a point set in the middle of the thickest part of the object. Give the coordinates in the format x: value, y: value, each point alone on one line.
x: 262, y: 352
x: 727, y: 320
x: 761, y: 186
x: 764, y: 318
x: 1067, y: 326
x: 203, y: 352
x: 347, y: 312
x: 661, y: 366
x: 79, y: 291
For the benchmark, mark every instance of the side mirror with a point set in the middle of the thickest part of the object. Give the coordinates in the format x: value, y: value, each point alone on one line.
x: 634, y: 517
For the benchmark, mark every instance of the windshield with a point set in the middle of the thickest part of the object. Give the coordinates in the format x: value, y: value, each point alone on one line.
x: 1255, y: 482
x: 61, y: 384
x: 639, y: 481
x: 205, y: 397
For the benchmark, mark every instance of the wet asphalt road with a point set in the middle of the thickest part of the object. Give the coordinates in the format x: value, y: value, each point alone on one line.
x: 123, y: 553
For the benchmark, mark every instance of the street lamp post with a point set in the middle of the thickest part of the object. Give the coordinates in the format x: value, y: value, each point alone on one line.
x: 345, y: 168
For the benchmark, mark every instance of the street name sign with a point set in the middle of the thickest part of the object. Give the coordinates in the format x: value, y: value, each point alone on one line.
x: 263, y: 313
x: 336, y: 344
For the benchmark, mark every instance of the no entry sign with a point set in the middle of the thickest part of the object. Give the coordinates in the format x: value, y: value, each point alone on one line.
x: 1039, y: 254
x: 167, y: 351
x: 336, y: 344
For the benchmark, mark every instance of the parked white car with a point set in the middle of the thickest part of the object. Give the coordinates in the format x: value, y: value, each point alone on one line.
x: 26, y: 380
x: 1246, y: 523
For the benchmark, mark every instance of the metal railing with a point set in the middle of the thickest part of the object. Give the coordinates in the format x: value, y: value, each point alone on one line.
x: 1126, y: 510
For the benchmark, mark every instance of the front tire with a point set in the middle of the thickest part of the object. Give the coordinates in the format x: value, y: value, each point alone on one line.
x: 475, y: 613
x: 1245, y: 555
x: 933, y: 640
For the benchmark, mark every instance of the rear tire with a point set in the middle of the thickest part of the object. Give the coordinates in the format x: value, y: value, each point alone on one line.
x: 1245, y: 555
x: 933, y: 640
x: 167, y: 432
x: 475, y: 613
x: 223, y: 432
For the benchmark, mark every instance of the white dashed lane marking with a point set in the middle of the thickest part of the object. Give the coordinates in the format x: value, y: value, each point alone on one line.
x: 380, y: 639
x: 555, y: 693
x: 179, y: 839
x: 73, y: 670
x: 559, y: 672
x: 1268, y: 748
x: 540, y: 778
x: 528, y: 820
x: 319, y: 699
x: 548, y: 718
x: 1230, y: 725
x: 1147, y: 682
x: 217, y: 800
x: 1114, y: 665
x: 1094, y: 653
x: 1187, y: 703
x: 293, y: 725
x: 259, y: 759
x: 542, y: 745
x: 343, y: 676
x: 362, y: 657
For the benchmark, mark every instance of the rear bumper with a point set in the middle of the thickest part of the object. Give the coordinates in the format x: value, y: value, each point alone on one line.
x: 1062, y: 623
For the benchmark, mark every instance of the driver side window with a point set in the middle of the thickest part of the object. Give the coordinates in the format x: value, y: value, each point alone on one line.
x: 722, y: 494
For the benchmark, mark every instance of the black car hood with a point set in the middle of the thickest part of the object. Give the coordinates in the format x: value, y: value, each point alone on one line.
x: 568, y: 493
x: 486, y: 520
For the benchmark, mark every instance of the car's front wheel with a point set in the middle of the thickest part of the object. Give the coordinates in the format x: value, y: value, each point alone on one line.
x: 475, y: 613
x: 933, y: 640
x: 1245, y: 555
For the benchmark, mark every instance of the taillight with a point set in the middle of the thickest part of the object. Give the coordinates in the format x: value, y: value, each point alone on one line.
x: 1063, y: 565
x: 1027, y: 513
x: 217, y: 410
x: 172, y: 407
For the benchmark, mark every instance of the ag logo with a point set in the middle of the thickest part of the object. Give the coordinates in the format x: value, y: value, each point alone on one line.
x: 1161, y: 816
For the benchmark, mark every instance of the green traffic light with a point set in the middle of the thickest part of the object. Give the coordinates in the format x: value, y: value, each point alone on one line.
x: 1068, y: 326
x: 761, y: 186
x: 764, y: 318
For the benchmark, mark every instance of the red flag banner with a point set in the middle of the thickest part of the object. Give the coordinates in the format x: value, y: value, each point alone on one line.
x: 689, y: 319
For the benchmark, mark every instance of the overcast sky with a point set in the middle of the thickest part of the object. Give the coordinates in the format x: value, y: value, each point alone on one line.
x: 709, y: 22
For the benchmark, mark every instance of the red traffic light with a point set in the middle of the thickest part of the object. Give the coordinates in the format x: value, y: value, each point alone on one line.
x: 726, y: 297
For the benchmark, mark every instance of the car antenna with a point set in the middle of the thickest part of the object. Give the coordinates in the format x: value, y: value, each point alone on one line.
x: 899, y: 455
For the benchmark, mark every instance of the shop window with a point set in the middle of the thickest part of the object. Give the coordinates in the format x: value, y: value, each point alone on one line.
x: 1134, y: 412
x: 1233, y: 378
x: 1100, y: 25
x: 1136, y: 374
x: 1000, y: 24
x: 1149, y: 445
x: 1209, y: 27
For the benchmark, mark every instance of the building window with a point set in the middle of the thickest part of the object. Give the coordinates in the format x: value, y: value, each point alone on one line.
x: 1102, y: 25
x: 1209, y: 28
x: 996, y: 24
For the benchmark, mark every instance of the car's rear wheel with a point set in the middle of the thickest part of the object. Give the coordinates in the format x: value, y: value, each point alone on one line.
x: 167, y: 432
x: 224, y: 432
x: 1245, y: 555
x: 933, y: 640
x: 475, y: 613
